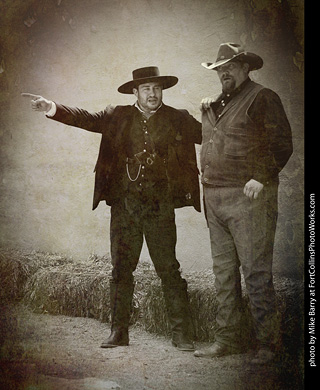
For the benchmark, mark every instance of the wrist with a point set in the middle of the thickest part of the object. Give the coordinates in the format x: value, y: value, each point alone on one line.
x: 52, y: 109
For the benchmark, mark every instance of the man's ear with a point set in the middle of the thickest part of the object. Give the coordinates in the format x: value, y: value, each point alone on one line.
x: 135, y: 92
x: 246, y: 67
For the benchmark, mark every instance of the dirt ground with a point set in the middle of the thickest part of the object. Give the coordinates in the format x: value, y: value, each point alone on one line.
x: 45, y: 352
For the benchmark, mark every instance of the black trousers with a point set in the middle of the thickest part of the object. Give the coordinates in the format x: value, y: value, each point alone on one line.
x: 131, y: 220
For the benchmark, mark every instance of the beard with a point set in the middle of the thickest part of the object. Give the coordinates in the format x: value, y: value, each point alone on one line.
x: 228, y: 86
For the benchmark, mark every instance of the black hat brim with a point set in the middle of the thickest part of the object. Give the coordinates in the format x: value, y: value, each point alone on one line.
x: 165, y: 81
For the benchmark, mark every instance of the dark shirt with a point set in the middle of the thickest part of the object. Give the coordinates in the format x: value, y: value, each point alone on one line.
x: 145, y: 179
x: 225, y: 98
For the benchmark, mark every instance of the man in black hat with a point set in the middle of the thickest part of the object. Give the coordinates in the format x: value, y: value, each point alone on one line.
x: 246, y: 142
x: 146, y: 167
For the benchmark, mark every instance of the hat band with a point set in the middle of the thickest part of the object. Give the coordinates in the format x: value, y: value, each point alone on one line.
x: 151, y: 71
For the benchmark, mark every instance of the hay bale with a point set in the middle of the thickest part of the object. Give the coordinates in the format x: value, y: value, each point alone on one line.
x: 81, y: 289
x: 153, y: 314
x: 203, y: 303
x: 203, y: 306
x: 16, y: 267
x: 55, y: 284
x: 77, y: 290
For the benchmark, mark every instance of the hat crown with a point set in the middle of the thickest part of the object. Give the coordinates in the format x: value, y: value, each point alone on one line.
x: 149, y: 71
x: 232, y: 51
x: 229, y: 50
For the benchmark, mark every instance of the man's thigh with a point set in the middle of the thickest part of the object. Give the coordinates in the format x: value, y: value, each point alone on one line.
x: 126, y: 235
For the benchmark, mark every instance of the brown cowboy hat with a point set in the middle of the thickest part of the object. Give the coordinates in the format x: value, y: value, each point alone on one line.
x: 232, y: 51
x: 147, y: 74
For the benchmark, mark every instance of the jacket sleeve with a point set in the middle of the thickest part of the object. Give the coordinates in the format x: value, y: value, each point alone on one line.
x: 192, y: 128
x: 77, y: 117
x: 274, y: 131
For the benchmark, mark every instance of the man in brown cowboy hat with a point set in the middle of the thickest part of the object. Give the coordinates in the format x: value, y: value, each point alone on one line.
x: 146, y: 167
x: 246, y: 142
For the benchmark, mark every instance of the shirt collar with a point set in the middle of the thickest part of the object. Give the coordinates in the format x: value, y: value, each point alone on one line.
x: 148, y: 114
x: 228, y: 96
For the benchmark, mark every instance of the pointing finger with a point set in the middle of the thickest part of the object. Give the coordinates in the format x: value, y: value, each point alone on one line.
x: 30, y: 95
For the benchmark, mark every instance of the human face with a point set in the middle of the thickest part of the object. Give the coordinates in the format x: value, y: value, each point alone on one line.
x: 149, y: 96
x: 232, y: 74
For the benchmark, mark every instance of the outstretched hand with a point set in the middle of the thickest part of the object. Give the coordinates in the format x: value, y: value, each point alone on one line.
x: 38, y: 103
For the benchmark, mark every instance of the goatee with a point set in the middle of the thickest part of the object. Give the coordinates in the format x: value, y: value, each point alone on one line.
x: 228, y: 85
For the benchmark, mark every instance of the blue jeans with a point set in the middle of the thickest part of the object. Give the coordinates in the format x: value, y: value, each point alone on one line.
x: 242, y: 234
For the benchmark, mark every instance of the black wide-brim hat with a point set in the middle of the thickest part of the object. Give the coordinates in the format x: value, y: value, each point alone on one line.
x: 231, y: 52
x: 145, y: 75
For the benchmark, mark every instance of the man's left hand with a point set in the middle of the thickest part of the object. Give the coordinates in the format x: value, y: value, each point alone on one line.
x: 252, y: 189
x: 206, y: 103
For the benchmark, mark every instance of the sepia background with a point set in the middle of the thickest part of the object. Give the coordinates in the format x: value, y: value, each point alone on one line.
x: 78, y: 52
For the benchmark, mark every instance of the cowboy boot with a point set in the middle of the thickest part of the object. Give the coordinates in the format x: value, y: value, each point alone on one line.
x: 120, y: 302
x: 179, y: 313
